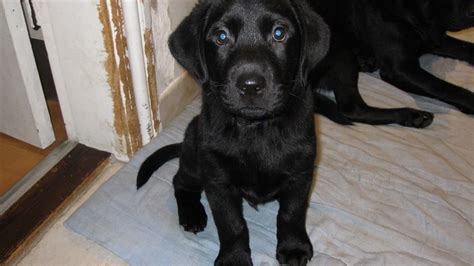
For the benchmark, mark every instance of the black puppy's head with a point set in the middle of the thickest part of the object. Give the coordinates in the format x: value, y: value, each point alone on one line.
x: 456, y: 14
x: 251, y: 54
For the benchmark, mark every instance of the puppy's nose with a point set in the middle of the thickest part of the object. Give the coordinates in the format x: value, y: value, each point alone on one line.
x: 251, y: 85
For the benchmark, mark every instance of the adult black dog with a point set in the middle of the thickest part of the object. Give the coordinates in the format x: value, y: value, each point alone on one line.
x: 255, y: 136
x: 390, y: 36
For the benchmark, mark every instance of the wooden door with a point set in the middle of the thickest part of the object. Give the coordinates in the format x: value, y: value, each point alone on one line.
x: 23, y: 111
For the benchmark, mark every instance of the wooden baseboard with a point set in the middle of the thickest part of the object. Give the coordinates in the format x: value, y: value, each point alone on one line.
x: 176, y: 97
x: 23, y: 223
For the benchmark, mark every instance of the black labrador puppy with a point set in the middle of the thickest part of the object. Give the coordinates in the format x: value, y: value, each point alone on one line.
x: 255, y: 135
x: 391, y: 36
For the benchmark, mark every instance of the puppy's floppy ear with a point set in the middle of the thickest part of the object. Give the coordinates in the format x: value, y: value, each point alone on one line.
x: 186, y: 42
x: 315, y: 36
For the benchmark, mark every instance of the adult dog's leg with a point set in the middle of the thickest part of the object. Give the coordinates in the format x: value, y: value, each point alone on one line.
x: 188, y: 190
x: 226, y: 206
x: 294, y: 246
x: 342, y: 76
x: 457, y: 49
x: 406, y: 74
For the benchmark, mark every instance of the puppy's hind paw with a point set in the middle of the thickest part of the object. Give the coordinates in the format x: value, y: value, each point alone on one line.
x: 192, y: 218
x: 417, y: 119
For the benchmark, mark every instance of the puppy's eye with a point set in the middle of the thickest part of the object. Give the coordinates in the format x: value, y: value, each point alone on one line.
x: 222, y: 38
x: 279, y: 34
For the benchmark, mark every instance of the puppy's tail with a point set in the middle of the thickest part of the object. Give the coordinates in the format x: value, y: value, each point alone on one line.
x: 155, y: 161
x: 328, y: 108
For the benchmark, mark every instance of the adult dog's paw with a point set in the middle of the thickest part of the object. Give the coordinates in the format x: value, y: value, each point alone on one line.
x: 417, y: 119
x: 295, y: 254
x: 235, y: 257
x: 192, y: 217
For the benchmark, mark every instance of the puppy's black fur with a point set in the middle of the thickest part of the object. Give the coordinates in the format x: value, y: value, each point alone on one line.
x: 390, y: 36
x: 255, y: 136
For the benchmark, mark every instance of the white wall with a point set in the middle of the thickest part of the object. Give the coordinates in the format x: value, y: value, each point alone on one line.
x: 166, y: 16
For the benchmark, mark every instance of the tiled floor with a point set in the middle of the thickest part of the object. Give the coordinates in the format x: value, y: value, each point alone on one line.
x: 59, y: 246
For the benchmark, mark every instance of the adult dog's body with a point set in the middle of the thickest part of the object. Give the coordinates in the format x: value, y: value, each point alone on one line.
x: 391, y: 36
x: 255, y: 136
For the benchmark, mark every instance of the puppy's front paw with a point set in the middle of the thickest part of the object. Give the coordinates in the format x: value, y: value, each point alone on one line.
x: 235, y: 257
x: 417, y: 119
x: 192, y: 217
x: 294, y: 254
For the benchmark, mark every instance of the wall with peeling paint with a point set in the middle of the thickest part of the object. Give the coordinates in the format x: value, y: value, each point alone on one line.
x: 75, y: 43
x: 88, y: 67
x: 166, y: 16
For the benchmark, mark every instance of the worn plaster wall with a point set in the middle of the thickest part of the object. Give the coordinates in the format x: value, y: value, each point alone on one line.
x: 74, y: 38
x: 166, y: 16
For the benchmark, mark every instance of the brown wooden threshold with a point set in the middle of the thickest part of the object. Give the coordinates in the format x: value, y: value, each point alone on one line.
x: 22, y: 223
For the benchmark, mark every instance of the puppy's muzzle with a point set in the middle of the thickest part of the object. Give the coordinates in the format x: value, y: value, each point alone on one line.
x: 251, y: 84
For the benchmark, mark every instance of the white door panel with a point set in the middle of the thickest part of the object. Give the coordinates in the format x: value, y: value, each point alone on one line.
x: 23, y: 111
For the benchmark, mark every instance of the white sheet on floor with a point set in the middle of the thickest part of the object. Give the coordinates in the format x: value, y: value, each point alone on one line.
x: 383, y: 195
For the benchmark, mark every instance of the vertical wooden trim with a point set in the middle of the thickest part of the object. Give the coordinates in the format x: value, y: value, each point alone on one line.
x: 150, y: 60
x: 119, y: 76
x: 151, y: 74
